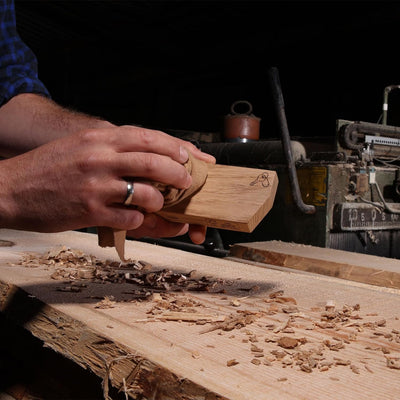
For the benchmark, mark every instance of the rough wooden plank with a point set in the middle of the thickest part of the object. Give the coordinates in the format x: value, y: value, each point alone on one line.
x: 30, y: 371
x: 114, y: 362
x: 357, y: 267
x: 233, y: 198
x: 189, y: 359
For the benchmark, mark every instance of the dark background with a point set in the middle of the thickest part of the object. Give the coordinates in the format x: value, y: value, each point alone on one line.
x: 181, y: 64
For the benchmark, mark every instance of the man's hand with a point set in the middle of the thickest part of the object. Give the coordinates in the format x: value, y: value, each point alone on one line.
x: 78, y: 181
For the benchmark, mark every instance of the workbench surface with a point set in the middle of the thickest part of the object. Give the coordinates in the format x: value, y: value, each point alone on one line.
x: 210, y: 329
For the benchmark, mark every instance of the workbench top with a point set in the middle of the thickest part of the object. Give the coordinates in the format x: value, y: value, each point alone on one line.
x: 186, y: 326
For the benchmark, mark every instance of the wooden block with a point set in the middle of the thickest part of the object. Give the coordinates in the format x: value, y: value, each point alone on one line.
x: 232, y: 198
x: 169, y: 356
x: 347, y: 265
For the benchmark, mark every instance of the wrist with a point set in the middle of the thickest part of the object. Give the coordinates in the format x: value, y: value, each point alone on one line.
x: 7, y: 203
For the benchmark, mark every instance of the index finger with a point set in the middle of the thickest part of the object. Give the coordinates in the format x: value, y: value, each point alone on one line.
x: 132, y: 138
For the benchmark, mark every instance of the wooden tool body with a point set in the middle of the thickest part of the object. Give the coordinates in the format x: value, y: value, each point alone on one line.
x: 232, y: 198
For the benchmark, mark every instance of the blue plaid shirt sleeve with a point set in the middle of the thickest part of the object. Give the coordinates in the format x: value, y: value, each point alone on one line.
x: 18, y: 64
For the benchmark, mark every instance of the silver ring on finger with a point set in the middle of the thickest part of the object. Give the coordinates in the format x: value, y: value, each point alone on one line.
x: 130, y: 190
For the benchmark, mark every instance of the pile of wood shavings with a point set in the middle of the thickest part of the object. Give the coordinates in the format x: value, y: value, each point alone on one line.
x: 74, y: 265
x: 340, y: 327
x: 169, y: 306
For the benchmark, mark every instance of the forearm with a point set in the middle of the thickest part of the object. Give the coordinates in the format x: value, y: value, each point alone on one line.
x: 29, y: 120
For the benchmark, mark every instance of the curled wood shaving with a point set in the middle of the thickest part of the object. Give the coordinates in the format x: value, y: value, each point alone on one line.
x: 236, y: 321
x: 256, y: 349
x: 340, y: 361
x: 330, y: 305
x: 107, y: 302
x: 334, y: 346
x: 276, y: 294
x: 71, y: 288
x: 191, y: 317
x: 284, y: 326
x: 290, y: 309
x: 287, y: 342
x: 306, y: 368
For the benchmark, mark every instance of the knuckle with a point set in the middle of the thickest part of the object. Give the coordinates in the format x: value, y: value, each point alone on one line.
x: 91, y: 155
x: 190, y: 146
x: 134, y: 220
x: 90, y: 196
x: 88, y: 136
x: 131, y: 219
x: 121, y: 219
x: 150, y: 163
x: 152, y: 199
x: 145, y: 136
x: 88, y: 162
x: 93, y: 160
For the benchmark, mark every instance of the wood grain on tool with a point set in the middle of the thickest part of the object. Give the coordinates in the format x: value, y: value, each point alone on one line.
x: 232, y: 198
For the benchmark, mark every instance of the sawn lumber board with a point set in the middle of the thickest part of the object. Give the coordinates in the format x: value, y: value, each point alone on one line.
x: 129, y: 343
x: 357, y: 267
x: 233, y: 198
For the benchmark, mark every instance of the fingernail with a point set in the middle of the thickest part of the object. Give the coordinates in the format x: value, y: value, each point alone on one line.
x: 183, y: 154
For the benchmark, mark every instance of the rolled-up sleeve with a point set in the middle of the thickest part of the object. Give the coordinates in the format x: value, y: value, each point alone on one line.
x: 18, y: 64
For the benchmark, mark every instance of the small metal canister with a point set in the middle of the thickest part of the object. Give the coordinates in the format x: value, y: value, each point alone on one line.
x: 242, y: 127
